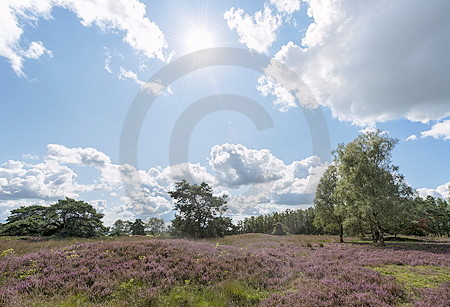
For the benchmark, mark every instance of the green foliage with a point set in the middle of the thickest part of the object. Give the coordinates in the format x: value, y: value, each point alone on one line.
x: 66, y: 218
x: 32, y: 221
x: 138, y: 228
x: 374, y: 194
x: 199, y: 211
x: 329, y: 210
x: 155, y: 226
x: 434, y: 215
x: 120, y: 228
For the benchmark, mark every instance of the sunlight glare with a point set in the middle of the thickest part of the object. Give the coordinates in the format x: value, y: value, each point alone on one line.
x: 198, y: 38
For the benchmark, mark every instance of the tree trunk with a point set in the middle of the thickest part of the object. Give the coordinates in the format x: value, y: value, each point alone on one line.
x: 375, y: 236
x: 341, y: 233
x: 381, y: 239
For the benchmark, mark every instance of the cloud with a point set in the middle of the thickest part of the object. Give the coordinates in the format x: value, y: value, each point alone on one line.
x: 107, y: 61
x: 411, y: 137
x: 438, y: 131
x: 79, y: 156
x: 48, y: 180
x: 128, y: 74
x: 299, y: 183
x: 123, y: 16
x: 441, y: 191
x: 368, y: 65
x: 286, y: 6
x: 156, y: 88
x: 122, y: 191
x: 257, y: 32
x: 100, y: 205
x: 269, y: 86
x: 236, y: 165
x: 270, y: 181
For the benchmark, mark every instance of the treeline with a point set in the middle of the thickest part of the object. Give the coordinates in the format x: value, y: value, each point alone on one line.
x: 154, y: 227
x: 291, y: 222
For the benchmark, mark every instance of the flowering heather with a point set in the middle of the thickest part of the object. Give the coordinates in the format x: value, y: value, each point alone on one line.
x: 241, y: 270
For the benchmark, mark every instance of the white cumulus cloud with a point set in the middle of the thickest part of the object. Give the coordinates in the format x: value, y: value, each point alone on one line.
x: 286, y: 6
x: 127, y: 17
x: 442, y: 191
x: 373, y: 61
x: 438, y: 131
x: 236, y: 165
x: 257, y: 32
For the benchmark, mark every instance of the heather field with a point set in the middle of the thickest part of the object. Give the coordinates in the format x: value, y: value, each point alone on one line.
x: 244, y: 270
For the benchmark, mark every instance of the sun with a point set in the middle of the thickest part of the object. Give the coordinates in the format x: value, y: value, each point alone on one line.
x: 198, y: 38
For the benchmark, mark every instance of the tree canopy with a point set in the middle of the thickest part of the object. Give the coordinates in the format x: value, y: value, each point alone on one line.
x: 363, y: 190
x: 199, y: 212
x: 66, y: 218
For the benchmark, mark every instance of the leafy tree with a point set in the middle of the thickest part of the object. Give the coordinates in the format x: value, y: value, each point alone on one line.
x: 28, y: 221
x: 370, y: 186
x: 329, y: 211
x: 120, y: 228
x: 199, y: 211
x: 138, y: 228
x: 155, y: 226
x: 66, y: 218
x: 72, y: 218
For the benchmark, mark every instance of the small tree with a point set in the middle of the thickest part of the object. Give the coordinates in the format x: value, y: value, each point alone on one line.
x: 199, y: 211
x: 120, y: 228
x: 155, y: 226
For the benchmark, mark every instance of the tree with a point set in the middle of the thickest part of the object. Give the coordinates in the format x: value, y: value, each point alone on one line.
x: 28, y: 221
x: 155, y: 226
x: 120, y: 228
x: 329, y: 211
x: 370, y: 186
x: 65, y: 218
x: 435, y: 215
x: 72, y: 218
x: 199, y: 211
x: 138, y: 228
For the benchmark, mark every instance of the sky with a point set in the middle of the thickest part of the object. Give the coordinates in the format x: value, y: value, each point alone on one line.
x: 112, y: 102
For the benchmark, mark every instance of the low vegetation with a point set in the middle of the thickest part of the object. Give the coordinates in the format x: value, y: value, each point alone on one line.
x: 242, y: 270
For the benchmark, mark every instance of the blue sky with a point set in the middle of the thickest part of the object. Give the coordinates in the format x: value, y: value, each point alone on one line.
x: 70, y: 70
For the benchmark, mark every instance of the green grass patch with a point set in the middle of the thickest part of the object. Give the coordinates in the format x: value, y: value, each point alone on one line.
x: 231, y: 293
x: 418, y: 276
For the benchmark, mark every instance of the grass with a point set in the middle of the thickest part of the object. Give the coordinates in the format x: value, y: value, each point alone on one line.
x: 231, y: 293
x: 419, y: 276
